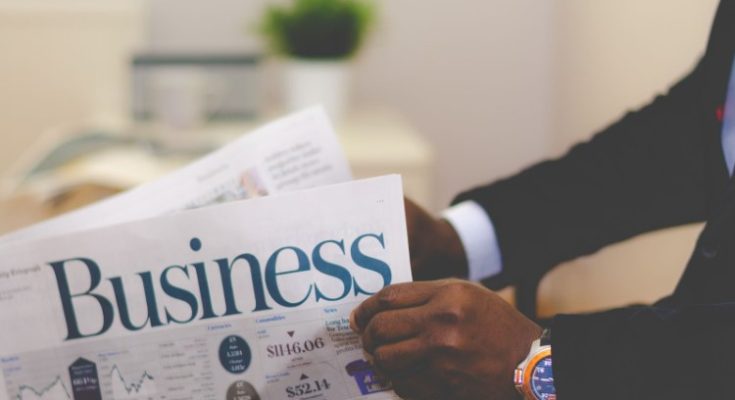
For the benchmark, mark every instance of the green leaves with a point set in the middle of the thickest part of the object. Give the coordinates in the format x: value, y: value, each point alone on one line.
x: 318, y: 29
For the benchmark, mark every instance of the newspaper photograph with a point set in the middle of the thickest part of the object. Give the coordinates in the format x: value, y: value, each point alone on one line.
x: 297, y: 152
x: 244, y: 300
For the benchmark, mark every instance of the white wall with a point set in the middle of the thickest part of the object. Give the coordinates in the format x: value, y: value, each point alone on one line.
x: 63, y: 63
x: 473, y: 76
x: 614, y: 56
x: 204, y: 26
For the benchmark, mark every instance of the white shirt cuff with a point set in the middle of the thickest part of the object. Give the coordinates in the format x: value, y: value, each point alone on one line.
x: 477, y: 233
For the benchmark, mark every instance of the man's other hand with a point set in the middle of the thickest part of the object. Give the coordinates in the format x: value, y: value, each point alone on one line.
x: 447, y: 339
x: 436, y: 250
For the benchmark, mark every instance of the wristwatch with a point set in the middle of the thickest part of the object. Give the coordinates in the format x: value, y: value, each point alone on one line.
x: 533, y: 378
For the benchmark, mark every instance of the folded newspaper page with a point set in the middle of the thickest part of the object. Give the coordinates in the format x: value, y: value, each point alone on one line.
x: 296, y: 152
x: 245, y: 300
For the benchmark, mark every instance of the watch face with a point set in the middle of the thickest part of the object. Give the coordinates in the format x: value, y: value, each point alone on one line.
x: 542, y: 380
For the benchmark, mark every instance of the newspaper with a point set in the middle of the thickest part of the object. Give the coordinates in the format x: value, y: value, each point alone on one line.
x: 244, y: 300
x: 297, y: 152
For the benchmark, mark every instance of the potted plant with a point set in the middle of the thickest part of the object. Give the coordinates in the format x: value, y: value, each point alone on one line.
x: 318, y: 38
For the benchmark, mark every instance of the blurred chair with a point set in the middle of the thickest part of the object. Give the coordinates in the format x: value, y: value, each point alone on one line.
x: 64, y: 64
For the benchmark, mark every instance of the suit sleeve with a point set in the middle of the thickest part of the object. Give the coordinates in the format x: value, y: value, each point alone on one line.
x: 645, y: 353
x: 644, y: 172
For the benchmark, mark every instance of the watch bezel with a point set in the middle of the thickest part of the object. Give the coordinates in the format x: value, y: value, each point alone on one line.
x: 530, y: 367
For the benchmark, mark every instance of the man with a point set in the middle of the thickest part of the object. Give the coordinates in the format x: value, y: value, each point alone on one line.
x: 665, y: 165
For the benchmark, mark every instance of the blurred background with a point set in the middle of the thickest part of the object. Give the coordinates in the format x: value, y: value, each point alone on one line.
x: 469, y: 90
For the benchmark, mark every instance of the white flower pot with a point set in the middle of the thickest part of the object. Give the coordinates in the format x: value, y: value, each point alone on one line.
x: 309, y: 83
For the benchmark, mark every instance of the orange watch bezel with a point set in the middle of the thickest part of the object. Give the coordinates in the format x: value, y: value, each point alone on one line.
x: 528, y: 372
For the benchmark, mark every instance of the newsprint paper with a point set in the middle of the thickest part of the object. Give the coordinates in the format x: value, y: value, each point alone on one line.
x: 236, y: 301
x: 296, y: 152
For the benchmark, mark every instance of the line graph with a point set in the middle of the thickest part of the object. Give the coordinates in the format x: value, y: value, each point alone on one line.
x: 148, y: 367
x: 55, y: 390
x: 124, y: 389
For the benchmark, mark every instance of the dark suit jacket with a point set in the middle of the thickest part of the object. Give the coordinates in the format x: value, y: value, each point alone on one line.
x: 658, y: 167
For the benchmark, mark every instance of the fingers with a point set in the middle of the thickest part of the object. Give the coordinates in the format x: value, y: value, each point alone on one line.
x: 403, y: 295
x: 400, y: 358
x: 390, y: 327
x: 407, y: 365
x: 417, y: 386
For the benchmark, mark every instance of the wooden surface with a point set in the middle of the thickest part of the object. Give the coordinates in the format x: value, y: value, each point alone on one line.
x: 25, y: 209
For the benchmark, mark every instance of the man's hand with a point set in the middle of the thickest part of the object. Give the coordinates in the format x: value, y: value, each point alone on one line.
x: 436, y: 250
x: 446, y: 339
